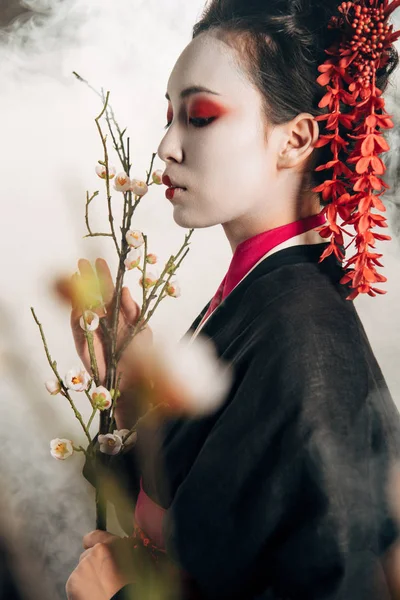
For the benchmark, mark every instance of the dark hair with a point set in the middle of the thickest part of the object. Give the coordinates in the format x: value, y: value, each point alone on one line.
x: 280, y: 44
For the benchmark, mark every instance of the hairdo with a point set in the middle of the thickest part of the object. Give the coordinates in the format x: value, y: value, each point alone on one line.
x: 280, y: 44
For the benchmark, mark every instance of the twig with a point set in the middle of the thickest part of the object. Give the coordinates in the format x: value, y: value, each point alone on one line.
x: 91, y: 418
x: 79, y: 449
x: 98, y: 235
x: 104, y: 142
x: 92, y: 354
x: 114, y: 404
x: 53, y: 366
x: 88, y: 201
x: 142, y: 322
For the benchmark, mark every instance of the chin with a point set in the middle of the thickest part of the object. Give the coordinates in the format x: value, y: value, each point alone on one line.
x: 190, y: 221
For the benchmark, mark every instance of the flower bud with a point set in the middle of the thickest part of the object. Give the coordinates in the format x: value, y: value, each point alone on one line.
x: 53, y: 386
x: 101, y: 398
x: 92, y: 321
x: 139, y: 187
x: 61, y: 448
x: 157, y: 176
x: 101, y: 171
x: 152, y: 276
x: 151, y: 259
x: 122, y: 182
x: 171, y: 268
x: 173, y: 288
x: 126, y: 441
x: 133, y: 259
x: 134, y: 238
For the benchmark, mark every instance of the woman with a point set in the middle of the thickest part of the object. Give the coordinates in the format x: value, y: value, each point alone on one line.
x: 280, y: 493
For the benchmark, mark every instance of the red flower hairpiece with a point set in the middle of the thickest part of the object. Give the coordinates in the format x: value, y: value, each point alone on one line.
x: 350, y: 77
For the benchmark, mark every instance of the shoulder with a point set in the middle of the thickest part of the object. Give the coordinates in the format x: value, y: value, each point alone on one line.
x: 303, y: 304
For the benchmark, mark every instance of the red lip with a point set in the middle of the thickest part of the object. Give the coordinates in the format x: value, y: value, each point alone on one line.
x: 168, y: 182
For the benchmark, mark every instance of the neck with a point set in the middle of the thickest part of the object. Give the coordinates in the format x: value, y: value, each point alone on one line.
x: 272, y: 215
x: 246, y: 227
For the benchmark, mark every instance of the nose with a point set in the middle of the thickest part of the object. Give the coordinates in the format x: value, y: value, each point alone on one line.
x: 170, y: 148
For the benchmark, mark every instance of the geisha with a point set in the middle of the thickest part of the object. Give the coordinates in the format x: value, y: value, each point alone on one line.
x: 281, y: 492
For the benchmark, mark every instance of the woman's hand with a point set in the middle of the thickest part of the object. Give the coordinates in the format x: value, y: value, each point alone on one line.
x: 128, y: 316
x: 99, y: 574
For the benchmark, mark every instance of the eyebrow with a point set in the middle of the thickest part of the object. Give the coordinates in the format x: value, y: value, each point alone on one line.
x: 193, y: 89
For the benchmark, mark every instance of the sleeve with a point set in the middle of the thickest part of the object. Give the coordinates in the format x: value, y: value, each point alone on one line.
x: 287, y: 493
x: 126, y: 468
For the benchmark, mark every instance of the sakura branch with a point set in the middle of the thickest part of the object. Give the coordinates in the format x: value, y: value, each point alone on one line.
x: 129, y: 244
x: 59, y: 386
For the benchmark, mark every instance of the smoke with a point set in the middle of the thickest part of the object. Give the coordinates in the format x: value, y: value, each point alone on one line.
x: 50, y: 147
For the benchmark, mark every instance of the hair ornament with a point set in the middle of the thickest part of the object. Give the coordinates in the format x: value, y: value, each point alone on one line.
x: 350, y: 76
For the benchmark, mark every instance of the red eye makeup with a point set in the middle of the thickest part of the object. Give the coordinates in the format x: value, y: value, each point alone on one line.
x: 202, y: 108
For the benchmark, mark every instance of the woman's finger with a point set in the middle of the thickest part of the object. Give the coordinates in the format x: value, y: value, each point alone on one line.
x: 84, y: 554
x: 86, y: 268
x: 89, y: 287
x: 130, y: 308
x: 105, y: 280
x: 97, y: 537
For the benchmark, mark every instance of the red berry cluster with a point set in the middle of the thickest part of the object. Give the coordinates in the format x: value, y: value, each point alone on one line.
x: 350, y: 78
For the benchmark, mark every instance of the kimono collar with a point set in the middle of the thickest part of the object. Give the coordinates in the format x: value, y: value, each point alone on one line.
x: 251, y: 251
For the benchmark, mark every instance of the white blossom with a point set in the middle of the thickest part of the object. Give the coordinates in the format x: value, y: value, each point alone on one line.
x: 77, y: 379
x: 101, y: 171
x: 53, y: 386
x: 101, y: 398
x: 173, y: 288
x: 152, y: 276
x: 139, y: 187
x: 157, y: 176
x: 133, y: 258
x: 61, y: 448
x: 192, y: 377
x: 134, y: 238
x: 92, y: 320
x: 110, y: 443
x: 122, y: 433
x: 122, y: 182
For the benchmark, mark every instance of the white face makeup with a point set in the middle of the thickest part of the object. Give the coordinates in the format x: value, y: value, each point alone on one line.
x: 229, y: 170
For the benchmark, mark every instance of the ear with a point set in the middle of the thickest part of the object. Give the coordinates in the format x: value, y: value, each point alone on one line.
x: 301, y: 135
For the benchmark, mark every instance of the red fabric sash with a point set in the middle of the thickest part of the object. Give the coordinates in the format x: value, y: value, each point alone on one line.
x: 149, y: 517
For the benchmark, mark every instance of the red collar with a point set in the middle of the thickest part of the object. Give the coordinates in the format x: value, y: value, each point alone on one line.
x: 249, y: 252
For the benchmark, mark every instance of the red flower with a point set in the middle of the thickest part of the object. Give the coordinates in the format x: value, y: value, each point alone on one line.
x: 374, y: 161
x: 350, y: 78
x: 374, y: 142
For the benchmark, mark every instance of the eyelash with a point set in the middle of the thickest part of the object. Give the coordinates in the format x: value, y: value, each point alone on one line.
x: 204, y: 122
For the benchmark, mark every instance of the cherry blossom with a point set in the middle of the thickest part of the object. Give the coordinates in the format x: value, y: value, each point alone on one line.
x: 92, y: 320
x: 61, y: 448
x: 77, y: 379
x: 101, y: 171
x: 53, y: 386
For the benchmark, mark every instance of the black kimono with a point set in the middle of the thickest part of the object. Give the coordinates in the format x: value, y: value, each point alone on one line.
x: 281, y: 493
